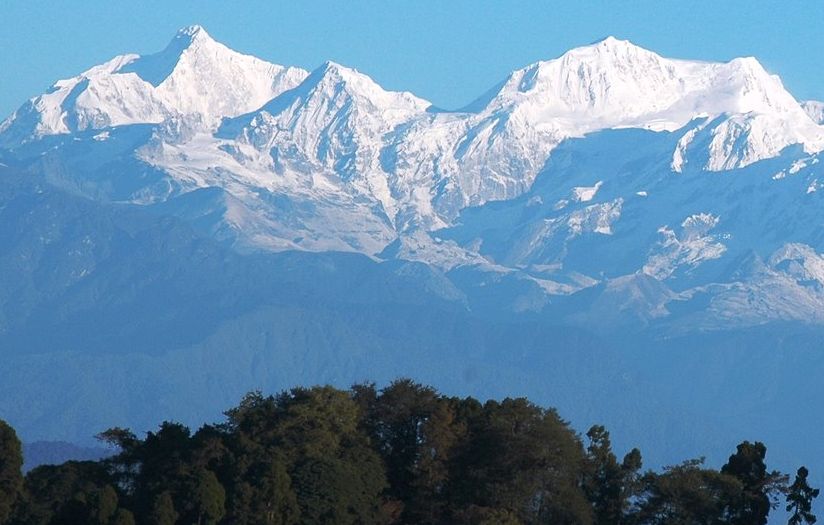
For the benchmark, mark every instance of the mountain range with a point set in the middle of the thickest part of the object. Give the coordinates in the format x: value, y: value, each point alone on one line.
x: 635, y: 239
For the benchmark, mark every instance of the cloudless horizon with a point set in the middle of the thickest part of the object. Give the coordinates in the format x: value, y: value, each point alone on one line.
x: 446, y: 52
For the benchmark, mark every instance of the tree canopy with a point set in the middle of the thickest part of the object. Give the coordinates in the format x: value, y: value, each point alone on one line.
x: 403, y: 454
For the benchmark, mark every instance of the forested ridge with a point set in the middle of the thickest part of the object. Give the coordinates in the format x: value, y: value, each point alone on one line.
x: 399, y: 455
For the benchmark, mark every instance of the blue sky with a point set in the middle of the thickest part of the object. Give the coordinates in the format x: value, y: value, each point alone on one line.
x: 446, y: 51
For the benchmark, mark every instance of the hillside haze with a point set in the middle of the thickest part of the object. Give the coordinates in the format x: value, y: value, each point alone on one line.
x: 634, y: 239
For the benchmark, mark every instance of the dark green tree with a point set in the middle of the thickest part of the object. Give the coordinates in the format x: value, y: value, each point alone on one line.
x: 337, y: 476
x: 11, y: 477
x: 280, y: 502
x: 162, y: 462
x: 332, y: 491
x: 163, y: 510
x: 800, y: 498
x: 441, y: 435
x: 415, y: 431
x: 61, y: 493
x: 760, y: 487
x: 273, y: 500
x: 688, y: 494
x: 96, y: 506
x: 205, y: 498
x: 102, y: 506
x: 522, y: 459
x: 259, y: 485
x: 397, y: 422
x: 334, y: 416
x: 124, y: 464
x: 401, y: 455
x: 609, y: 485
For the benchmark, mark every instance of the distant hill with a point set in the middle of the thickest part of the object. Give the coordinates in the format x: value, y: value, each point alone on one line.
x: 58, y: 452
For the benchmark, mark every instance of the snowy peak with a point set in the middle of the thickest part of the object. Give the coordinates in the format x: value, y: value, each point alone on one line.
x: 194, y: 76
x: 329, y: 133
x: 155, y: 68
x: 333, y: 106
x: 609, y: 55
x: 197, y: 75
x: 742, y: 85
x: 192, y: 37
x: 193, y: 33
x: 615, y: 83
x: 333, y: 72
x: 332, y: 80
x: 611, y: 79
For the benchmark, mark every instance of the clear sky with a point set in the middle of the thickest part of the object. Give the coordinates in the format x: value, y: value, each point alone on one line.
x: 447, y: 51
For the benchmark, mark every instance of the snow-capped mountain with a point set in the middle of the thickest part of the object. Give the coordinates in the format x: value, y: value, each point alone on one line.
x: 673, y: 169
x: 332, y: 127
x: 171, y: 228
x: 195, y: 77
x: 615, y: 84
x: 727, y: 114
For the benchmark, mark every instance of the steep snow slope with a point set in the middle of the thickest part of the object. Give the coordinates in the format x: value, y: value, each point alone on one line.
x: 609, y: 205
x: 332, y: 123
x: 815, y: 110
x: 305, y: 168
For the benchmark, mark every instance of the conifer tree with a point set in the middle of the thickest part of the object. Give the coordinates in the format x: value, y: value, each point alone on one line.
x: 759, y: 486
x: 800, y: 498
x: 609, y: 485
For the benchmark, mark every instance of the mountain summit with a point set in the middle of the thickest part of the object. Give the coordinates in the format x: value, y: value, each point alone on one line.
x: 192, y: 40
x: 616, y: 84
x: 195, y: 77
